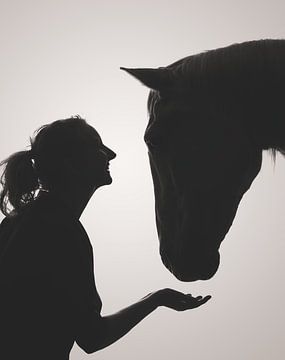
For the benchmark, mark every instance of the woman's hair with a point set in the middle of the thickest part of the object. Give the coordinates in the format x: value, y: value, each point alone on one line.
x: 42, y: 167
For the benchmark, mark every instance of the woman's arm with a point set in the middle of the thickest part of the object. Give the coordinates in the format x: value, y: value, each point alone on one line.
x: 72, y: 274
x: 111, y: 328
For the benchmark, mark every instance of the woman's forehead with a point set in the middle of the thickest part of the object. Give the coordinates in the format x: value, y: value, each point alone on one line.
x: 94, y: 134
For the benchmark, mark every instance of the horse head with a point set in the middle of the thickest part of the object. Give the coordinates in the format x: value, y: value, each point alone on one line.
x: 202, y: 161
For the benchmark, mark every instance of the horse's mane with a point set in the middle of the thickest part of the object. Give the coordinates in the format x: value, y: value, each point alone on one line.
x: 234, y: 60
x: 253, y: 71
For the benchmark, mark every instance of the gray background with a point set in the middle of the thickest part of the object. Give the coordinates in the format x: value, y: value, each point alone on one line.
x: 62, y: 57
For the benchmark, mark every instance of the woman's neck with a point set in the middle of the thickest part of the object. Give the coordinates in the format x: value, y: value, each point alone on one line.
x: 75, y: 199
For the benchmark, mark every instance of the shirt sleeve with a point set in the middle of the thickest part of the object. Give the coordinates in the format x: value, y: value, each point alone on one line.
x: 71, y: 274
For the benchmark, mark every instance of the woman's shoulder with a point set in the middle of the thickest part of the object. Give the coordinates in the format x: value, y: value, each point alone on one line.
x: 4, y: 224
x: 38, y: 222
x: 44, y: 225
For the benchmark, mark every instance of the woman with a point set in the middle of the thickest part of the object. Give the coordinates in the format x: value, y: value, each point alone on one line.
x: 48, y: 293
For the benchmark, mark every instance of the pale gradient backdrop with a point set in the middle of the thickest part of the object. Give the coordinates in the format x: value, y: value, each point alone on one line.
x: 62, y: 57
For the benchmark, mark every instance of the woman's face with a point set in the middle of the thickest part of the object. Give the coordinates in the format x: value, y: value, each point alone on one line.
x: 96, y: 162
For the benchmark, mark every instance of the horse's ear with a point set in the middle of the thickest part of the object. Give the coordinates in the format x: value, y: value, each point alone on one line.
x: 156, y: 79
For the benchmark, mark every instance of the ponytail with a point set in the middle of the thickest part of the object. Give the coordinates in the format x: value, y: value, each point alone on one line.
x: 19, y: 182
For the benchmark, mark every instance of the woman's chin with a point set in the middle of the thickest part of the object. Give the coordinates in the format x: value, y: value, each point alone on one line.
x: 107, y: 179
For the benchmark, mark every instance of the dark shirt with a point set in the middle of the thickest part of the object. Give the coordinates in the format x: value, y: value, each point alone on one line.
x: 48, y: 296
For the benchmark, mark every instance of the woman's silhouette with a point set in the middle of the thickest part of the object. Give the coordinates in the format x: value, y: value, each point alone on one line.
x: 48, y: 293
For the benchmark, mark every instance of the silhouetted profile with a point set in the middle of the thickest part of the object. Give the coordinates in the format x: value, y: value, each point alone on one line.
x: 210, y: 117
x: 48, y: 296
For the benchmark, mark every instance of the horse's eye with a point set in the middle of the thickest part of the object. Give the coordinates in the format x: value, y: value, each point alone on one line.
x: 151, y: 145
x: 154, y: 142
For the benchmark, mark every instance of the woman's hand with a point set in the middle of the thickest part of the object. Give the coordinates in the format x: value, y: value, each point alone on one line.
x: 178, y: 301
x: 113, y: 327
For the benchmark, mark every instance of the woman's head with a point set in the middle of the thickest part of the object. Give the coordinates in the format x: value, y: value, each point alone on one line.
x: 65, y: 153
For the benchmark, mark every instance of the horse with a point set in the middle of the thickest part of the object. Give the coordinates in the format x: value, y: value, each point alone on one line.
x: 210, y: 117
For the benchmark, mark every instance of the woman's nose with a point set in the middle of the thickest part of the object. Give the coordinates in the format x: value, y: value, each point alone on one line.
x: 110, y: 153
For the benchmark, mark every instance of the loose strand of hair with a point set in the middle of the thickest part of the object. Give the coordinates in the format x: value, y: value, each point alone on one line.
x: 19, y: 183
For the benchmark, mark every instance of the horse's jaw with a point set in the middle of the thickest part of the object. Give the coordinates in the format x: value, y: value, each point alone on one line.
x: 189, y: 254
x: 191, y: 230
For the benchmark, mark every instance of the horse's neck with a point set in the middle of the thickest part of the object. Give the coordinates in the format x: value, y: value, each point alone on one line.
x: 266, y: 125
x: 271, y: 136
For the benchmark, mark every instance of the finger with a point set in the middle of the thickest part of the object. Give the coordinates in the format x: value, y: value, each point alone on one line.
x: 204, y: 300
x: 199, y: 297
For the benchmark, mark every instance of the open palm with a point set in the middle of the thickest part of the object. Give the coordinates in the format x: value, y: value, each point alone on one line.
x: 179, y: 301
